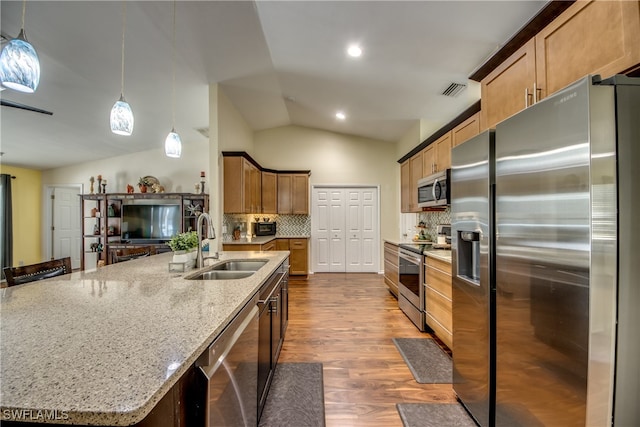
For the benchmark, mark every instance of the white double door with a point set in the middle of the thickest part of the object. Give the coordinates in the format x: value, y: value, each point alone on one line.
x: 345, y: 229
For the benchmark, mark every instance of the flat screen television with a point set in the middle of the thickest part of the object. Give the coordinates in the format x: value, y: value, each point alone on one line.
x: 150, y: 222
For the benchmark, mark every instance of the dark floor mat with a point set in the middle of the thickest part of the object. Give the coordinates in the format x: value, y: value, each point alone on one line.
x: 428, y: 363
x: 296, y: 397
x: 434, y: 415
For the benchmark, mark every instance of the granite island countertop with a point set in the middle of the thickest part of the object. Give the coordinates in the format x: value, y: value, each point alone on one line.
x: 103, y: 347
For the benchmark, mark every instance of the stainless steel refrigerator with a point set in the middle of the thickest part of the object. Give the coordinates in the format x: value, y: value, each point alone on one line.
x: 567, y: 297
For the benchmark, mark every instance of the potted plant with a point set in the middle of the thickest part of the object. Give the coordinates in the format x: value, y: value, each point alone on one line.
x: 183, y: 246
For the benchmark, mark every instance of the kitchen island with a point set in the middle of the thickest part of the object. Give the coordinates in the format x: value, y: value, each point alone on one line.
x: 103, y: 347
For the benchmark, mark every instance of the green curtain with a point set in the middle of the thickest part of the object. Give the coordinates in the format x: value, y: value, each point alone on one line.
x: 6, y: 224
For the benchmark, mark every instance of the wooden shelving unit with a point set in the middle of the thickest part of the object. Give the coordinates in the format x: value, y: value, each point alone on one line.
x: 102, y: 221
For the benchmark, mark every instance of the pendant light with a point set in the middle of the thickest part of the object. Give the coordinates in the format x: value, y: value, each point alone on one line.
x: 19, y: 63
x: 173, y: 144
x: 121, y: 118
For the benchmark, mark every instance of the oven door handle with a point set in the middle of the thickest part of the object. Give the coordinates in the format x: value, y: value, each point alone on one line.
x: 412, y: 259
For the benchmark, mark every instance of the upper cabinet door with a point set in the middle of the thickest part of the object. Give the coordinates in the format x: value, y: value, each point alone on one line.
x: 509, y: 88
x: 269, y: 190
x: 405, y: 187
x: 590, y: 37
x: 465, y: 130
x: 443, y: 152
x: 300, y: 194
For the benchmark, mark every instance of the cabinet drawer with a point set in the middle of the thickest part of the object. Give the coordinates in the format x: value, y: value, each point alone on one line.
x: 438, y: 280
x: 391, y: 253
x: 439, y: 264
x: 439, y: 307
x: 444, y: 335
x: 391, y: 272
x: 297, y: 244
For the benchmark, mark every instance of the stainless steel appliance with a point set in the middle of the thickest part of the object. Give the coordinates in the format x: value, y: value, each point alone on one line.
x: 433, y: 190
x: 566, y: 289
x: 263, y: 228
x: 473, y: 293
x: 410, y: 279
x: 230, y: 366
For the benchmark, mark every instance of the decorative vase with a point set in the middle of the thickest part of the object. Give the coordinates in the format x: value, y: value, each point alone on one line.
x: 143, y: 188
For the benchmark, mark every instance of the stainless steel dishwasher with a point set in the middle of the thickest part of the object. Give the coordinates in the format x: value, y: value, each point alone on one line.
x: 230, y: 366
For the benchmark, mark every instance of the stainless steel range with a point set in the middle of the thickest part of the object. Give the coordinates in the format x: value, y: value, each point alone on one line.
x: 411, y: 291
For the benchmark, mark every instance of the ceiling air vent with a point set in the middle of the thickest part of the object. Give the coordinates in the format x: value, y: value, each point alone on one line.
x: 454, y: 89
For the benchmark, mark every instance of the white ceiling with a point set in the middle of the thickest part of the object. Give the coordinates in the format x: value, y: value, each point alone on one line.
x: 279, y: 63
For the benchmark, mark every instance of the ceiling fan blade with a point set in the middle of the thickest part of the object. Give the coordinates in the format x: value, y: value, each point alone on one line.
x: 7, y: 103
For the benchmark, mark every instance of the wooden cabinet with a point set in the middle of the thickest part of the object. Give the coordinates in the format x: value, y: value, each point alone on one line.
x: 437, y: 282
x: 299, y: 254
x: 299, y: 257
x: 437, y: 156
x: 104, y: 225
x: 509, y: 88
x: 432, y: 159
x: 269, y: 192
x: 405, y: 187
x: 242, y: 192
x: 465, y: 130
x: 268, y: 246
x: 442, y: 153
x: 391, y: 267
x: 293, y: 193
x: 415, y: 168
x: 590, y: 37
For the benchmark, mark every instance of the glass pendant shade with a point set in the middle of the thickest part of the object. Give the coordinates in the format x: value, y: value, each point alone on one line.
x: 121, y: 117
x: 19, y: 65
x: 173, y: 144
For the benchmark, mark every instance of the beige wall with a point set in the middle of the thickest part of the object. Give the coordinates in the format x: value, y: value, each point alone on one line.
x: 233, y: 131
x: 336, y: 159
x: 26, y: 195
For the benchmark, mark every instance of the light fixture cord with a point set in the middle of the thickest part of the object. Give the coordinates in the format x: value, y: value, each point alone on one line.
x: 24, y: 9
x: 173, y: 77
x: 124, y: 24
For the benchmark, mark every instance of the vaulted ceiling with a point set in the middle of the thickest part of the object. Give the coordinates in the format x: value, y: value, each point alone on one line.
x: 279, y: 62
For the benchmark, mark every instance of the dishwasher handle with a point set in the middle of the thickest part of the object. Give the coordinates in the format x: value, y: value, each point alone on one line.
x: 217, y: 352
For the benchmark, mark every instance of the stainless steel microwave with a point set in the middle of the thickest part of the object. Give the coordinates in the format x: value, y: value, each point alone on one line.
x: 434, y: 190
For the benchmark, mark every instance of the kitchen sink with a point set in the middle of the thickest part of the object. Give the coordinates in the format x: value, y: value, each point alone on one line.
x: 219, y: 275
x: 228, y: 270
x: 240, y: 265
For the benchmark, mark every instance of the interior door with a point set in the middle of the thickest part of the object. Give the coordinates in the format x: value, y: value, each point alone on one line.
x: 321, y: 232
x: 337, y: 227
x: 66, y: 234
x: 353, y: 253
x: 345, y: 229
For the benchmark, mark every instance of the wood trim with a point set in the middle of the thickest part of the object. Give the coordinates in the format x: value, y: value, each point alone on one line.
x: 256, y: 164
x: 443, y: 130
x: 550, y: 12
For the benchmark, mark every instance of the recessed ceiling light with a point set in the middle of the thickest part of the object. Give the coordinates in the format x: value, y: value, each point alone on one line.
x: 354, y: 51
x: 340, y: 115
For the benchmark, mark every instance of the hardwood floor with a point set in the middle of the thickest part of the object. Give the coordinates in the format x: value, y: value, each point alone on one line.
x: 346, y: 322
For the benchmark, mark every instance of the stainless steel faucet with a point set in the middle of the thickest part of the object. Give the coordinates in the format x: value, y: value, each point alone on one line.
x: 211, y: 235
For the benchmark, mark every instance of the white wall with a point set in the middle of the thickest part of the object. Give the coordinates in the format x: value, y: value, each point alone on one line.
x: 176, y: 175
x: 336, y: 159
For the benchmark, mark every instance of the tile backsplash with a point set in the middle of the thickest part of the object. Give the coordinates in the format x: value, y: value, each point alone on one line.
x: 433, y: 218
x: 286, y: 225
